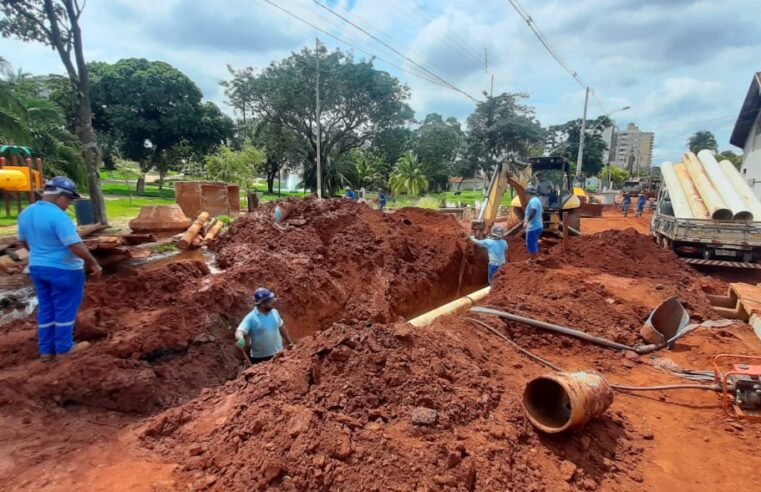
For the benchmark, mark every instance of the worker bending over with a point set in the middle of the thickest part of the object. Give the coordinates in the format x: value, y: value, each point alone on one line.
x: 532, y: 222
x: 57, y: 258
x: 640, y: 204
x: 496, y: 246
x: 264, y: 327
x: 350, y: 193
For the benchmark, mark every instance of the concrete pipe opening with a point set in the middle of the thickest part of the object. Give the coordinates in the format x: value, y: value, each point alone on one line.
x: 556, y: 402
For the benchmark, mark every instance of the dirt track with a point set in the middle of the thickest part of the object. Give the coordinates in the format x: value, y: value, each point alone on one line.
x: 335, y: 411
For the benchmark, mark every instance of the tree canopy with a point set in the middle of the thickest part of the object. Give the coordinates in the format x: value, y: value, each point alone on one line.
x: 563, y: 140
x: 702, y: 140
x: 150, y: 107
x: 357, y: 103
x: 408, y: 177
x: 437, y: 143
x: 499, y: 126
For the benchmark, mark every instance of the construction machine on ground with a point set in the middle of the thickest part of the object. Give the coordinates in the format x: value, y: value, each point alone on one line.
x: 554, y: 181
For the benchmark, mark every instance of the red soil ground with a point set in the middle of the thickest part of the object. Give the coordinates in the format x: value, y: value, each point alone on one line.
x: 335, y: 412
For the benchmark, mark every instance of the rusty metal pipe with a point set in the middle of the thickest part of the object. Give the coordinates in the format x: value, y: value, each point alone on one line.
x: 565, y: 400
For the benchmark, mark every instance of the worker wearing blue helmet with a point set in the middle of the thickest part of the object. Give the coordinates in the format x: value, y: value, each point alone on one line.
x: 57, y: 259
x: 264, y: 327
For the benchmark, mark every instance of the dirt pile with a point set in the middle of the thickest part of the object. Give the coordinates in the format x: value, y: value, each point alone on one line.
x: 386, y: 408
x: 158, y: 336
x: 625, y: 253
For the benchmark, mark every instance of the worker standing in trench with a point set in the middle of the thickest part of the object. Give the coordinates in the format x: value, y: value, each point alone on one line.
x: 57, y: 258
x: 264, y: 327
x: 532, y: 222
x: 496, y: 246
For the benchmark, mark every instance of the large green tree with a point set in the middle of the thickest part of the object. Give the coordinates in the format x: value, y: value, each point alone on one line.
x: 357, y: 103
x: 564, y: 140
x: 702, y: 140
x: 500, y: 126
x: 150, y: 106
x: 437, y: 144
x: 55, y: 23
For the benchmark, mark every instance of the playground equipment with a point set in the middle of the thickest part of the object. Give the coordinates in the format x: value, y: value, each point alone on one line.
x: 21, y: 176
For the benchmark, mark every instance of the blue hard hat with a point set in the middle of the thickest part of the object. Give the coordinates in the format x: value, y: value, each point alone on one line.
x: 263, y: 294
x: 61, y: 185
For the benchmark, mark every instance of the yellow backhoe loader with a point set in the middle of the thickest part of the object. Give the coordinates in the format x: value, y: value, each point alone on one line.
x: 553, y: 179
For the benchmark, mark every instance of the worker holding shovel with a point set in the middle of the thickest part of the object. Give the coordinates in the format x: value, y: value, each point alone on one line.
x: 264, y: 327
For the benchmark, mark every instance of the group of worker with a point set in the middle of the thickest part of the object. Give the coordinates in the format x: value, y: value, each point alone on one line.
x: 352, y: 195
x: 57, y: 262
x: 626, y: 204
x: 496, y: 246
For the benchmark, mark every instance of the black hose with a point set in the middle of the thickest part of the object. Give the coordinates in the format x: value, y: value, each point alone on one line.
x: 711, y: 387
x: 517, y: 347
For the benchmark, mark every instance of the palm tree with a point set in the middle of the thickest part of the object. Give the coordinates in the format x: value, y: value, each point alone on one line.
x: 702, y: 140
x: 407, y: 177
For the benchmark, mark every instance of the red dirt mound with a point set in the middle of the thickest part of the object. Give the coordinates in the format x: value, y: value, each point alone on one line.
x: 160, y: 335
x: 385, y: 408
x: 625, y: 253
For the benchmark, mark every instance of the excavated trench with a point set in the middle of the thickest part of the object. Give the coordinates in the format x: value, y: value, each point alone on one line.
x: 160, y: 335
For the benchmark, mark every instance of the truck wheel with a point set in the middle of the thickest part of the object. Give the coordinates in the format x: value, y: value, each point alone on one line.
x: 707, y: 254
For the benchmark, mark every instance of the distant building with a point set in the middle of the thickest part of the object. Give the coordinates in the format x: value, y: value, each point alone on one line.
x: 631, y: 149
x: 747, y: 135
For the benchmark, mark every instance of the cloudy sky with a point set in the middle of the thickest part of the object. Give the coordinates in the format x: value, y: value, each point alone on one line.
x: 682, y: 65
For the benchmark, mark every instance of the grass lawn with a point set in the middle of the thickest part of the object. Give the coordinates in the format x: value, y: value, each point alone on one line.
x: 119, y: 211
x: 151, y: 190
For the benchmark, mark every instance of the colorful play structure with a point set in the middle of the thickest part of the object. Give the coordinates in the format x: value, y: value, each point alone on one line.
x: 20, y: 173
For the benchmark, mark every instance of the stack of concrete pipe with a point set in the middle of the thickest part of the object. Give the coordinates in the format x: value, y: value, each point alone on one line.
x: 702, y: 188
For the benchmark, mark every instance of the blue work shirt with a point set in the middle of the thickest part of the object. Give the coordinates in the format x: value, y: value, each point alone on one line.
x: 382, y: 199
x: 627, y: 200
x: 640, y: 201
x: 496, y: 248
x: 536, y: 223
x: 49, y: 232
x: 351, y: 194
x: 264, y: 331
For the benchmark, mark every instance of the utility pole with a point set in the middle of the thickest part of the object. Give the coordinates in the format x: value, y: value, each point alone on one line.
x: 580, y: 157
x: 317, y: 111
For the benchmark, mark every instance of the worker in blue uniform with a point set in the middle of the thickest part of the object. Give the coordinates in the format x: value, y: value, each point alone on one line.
x: 263, y: 327
x: 532, y: 222
x: 57, y: 259
x: 350, y: 193
x: 626, y: 204
x: 641, y: 204
x: 496, y: 247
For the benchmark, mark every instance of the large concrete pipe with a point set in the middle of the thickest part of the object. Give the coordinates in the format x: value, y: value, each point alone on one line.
x: 566, y: 400
x: 717, y: 208
x: 679, y: 201
x: 722, y: 184
x: 742, y: 188
x: 698, y: 208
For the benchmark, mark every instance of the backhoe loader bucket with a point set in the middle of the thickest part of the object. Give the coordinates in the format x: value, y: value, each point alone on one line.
x: 665, y: 323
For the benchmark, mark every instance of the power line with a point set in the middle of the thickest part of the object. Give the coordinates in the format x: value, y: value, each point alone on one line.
x: 313, y: 26
x: 532, y: 25
x: 437, y: 77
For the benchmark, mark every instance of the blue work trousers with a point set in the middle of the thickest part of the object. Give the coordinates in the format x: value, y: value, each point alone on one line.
x: 532, y: 241
x: 59, y: 293
x: 492, y: 270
